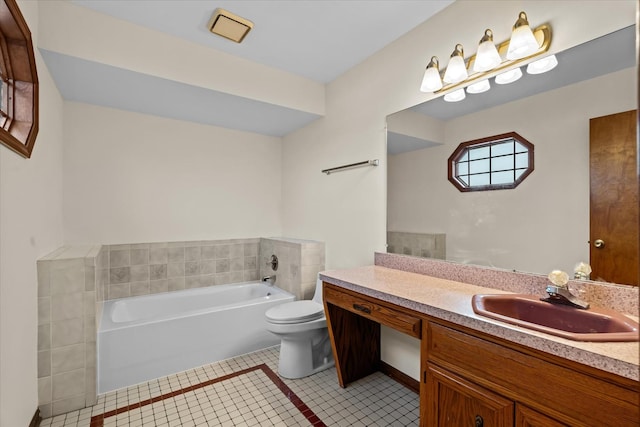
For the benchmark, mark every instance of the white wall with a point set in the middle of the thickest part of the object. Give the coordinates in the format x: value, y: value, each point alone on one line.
x: 131, y: 177
x: 347, y: 210
x: 30, y: 227
x: 541, y: 225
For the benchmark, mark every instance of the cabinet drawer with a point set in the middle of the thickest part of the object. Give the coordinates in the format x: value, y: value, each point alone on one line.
x: 384, y: 314
x: 570, y: 396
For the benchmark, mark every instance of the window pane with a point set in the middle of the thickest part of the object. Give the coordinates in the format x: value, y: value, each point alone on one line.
x: 502, y: 163
x: 464, y: 157
x: 519, y: 173
x: 502, y: 177
x: 477, y: 180
x: 465, y: 180
x: 522, y: 160
x: 478, y: 153
x: 463, y: 168
x: 479, y: 166
x: 521, y: 148
x: 502, y: 148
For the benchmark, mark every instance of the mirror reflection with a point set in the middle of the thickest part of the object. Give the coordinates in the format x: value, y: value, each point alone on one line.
x: 544, y: 223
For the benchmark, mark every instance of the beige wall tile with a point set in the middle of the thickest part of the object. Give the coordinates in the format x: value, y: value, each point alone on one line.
x: 139, y: 273
x: 68, y: 405
x: 176, y: 284
x: 68, y: 384
x: 44, y: 310
x: 119, y: 258
x: 67, y: 280
x: 44, y: 390
x: 67, y: 332
x: 44, y: 363
x: 44, y: 274
x: 121, y: 290
x: 176, y: 254
x: 67, y: 359
x: 139, y: 256
x: 158, y: 286
x: 139, y: 288
x: 158, y: 255
x: 67, y: 306
x: 44, y: 336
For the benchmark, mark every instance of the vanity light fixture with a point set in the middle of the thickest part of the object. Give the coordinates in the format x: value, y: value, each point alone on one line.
x: 456, y: 69
x: 488, y: 62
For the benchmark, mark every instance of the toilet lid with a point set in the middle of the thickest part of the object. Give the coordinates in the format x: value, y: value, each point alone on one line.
x: 295, y: 312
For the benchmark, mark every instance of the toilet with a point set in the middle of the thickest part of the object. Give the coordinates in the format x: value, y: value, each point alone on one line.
x: 305, y: 347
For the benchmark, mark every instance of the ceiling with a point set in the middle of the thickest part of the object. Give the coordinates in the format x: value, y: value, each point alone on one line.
x: 316, y: 39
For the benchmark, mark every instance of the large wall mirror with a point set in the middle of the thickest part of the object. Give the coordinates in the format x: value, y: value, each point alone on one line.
x: 544, y: 223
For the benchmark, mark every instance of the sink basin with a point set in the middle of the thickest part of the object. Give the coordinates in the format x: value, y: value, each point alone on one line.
x: 594, y: 324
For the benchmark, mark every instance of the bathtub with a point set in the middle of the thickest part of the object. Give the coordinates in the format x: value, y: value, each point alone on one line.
x: 150, y: 336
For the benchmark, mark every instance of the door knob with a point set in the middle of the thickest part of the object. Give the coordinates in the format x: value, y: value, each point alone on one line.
x: 599, y: 243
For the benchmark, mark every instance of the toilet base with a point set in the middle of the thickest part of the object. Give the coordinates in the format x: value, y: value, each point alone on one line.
x: 302, y: 355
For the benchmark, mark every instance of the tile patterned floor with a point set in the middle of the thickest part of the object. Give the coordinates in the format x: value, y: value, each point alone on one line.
x: 246, y: 391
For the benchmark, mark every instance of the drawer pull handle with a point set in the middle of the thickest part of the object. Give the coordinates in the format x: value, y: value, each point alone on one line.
x: 479, y: 421
x: 362, y: 308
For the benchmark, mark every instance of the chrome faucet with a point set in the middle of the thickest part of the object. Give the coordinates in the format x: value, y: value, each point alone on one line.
x: 269, y: 279
x: 562, y: 295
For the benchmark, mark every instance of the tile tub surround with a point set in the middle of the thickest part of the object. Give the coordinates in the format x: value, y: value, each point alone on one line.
x: 149, y: 268
x: 425, y: 245
x: 450, y: 300
x: 67, y: 329
x: 299, y: 262
x: 623, y: 298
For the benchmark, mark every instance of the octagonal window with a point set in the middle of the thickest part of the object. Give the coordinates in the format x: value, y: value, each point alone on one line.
x: 495, y: 163
x: 19, y: 82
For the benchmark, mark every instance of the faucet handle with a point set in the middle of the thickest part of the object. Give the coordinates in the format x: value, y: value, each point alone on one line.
x: 273, y: 262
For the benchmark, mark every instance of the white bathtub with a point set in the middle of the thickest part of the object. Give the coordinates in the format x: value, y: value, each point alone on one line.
x: 150, y: 336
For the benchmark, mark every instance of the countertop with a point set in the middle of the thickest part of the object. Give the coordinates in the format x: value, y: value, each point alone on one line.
x: 450, y: 300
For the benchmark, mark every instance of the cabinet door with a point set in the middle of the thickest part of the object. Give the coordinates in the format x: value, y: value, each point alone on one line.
x: 455, y: 402
x: 527, y: 417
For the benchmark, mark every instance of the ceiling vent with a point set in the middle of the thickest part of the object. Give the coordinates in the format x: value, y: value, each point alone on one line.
x: 229, y: 26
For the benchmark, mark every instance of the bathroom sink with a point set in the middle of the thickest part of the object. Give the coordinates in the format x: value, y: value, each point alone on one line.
x: 528, y: 311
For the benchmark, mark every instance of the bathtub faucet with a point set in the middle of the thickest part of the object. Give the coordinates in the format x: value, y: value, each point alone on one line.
x: 270, y: 279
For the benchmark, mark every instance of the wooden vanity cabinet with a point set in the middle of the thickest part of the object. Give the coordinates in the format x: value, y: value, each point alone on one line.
x: 543, y: 392
x: 473, y: 379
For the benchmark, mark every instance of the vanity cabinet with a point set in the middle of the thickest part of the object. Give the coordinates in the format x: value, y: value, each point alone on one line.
x: 454, y: 402
x: 469, y: 378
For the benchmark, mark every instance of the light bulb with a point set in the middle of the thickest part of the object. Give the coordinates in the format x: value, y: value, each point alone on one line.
x: 479, y: 87
x: 508, y: 76
x: 487, y: 57
x: 455, y: 96
x: 543, y: 65
x: 431, y: 81
x: 456, y: 69
x: 523, y: 43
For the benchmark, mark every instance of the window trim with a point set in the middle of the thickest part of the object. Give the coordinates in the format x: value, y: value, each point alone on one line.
x: 464, y: 146
x: 19, y: 129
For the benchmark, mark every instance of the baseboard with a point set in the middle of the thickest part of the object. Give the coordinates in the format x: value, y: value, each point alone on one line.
x: 400, y: 377
x: 35, y: 421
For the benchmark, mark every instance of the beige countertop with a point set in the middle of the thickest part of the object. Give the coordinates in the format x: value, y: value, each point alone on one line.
x: 450, y: 300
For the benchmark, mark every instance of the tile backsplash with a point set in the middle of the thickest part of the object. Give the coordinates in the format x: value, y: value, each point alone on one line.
x: 149, y: 268
x: 425, y: 245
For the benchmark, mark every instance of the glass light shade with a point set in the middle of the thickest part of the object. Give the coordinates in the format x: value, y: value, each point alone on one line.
x: 431, y: 81
x: 455, y: 96
x: 479, y: 87
x: 508, y: 76
x: 487, y: 57
x: 456, y: 69
x: 543, y: 65
x: 522, y: 43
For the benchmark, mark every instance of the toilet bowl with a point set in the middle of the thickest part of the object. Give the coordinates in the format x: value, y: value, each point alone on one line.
x: 305, y: 347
